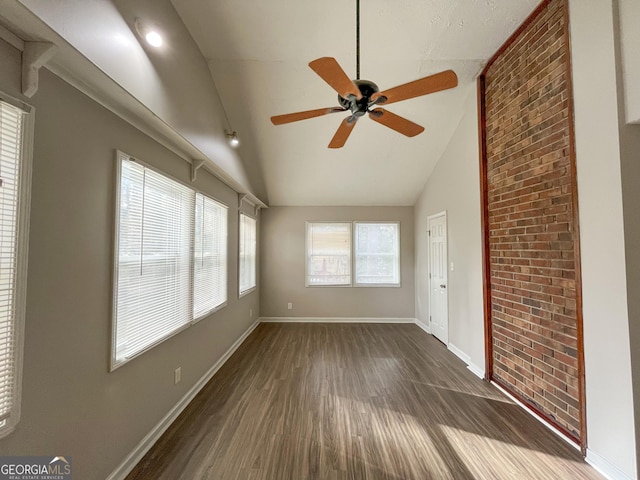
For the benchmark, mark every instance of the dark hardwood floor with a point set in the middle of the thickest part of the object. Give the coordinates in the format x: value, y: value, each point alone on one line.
x: 354, y: 401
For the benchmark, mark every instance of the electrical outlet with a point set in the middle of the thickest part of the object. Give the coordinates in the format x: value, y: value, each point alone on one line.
x: 250, y: 313
x: 177, y: 375
x: 289, y: 305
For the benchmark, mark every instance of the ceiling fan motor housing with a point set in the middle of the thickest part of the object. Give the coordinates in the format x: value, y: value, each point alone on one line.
x: 359, y: 107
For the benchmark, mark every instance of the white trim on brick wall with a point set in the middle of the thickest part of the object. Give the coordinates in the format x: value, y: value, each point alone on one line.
x: 537, y: 417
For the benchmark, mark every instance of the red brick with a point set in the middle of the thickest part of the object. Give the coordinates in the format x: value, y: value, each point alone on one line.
x: 530, y: 210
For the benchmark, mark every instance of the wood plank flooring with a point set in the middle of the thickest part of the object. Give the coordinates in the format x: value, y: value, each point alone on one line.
x: 354, y: 401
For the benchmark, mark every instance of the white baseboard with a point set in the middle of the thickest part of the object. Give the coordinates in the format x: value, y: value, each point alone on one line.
x: 476, y: 370
x: 473, y: 368
x: 605, y: 467
x: 335, y: 320
x: 536, y: 416
x: 156, y: 432
x: 423, y: 326
x: 459, y: 353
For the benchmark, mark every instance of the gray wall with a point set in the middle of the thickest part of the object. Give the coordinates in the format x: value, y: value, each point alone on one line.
x: 283, y: 267
x: 454, y: 187
x: 71, y: 404
x: 607, y: 351
x: 630, y: 158
x: 630, y: 169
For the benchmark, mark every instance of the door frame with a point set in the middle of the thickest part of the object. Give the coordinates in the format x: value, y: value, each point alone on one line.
x: 446, y: 269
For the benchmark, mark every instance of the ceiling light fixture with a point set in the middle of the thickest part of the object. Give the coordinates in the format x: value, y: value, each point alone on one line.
x: 233, y: 138
x: 151, y: 35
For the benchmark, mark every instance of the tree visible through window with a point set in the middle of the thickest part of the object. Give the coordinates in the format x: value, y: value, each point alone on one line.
x: 328, y: 253
x: 373, y: 253
x: 377, y: 254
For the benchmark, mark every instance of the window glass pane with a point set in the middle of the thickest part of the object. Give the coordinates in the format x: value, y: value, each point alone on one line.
x: 154, y: 259
x: 328, y: 253
x: 247, y: 274
x: 377, y: 253
x: 11, y: 164
x: 209, y: 255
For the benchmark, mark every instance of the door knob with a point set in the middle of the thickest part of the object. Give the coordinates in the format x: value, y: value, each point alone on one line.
x: 443, y: 286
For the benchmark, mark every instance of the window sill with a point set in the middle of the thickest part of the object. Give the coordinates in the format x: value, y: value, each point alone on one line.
x: 208, y: 313
x: 247, y: 292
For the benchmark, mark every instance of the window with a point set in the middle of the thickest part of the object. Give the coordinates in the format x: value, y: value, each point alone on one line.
x: 209, y: 256
x: 15, y: 173
x: 247, y: 267
x: 377, y: 252
x: 154, y: 259
x: 171, y: 259
x: 328, y: 254
x: 375, y: 258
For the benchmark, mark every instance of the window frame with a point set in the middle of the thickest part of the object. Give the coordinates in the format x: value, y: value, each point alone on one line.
x: 119, y: 157
x: 23, y: 212
x: 223, y: 304
x: 355, y: 256
x: 242, y: 293
x: 352, y: 248
x: 307, y: 255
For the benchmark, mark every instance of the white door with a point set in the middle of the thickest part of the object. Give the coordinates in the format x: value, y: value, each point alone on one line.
x: 438, y: 298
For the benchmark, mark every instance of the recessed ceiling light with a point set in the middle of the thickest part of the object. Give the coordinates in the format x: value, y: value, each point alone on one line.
x: 151, y: 35
x: 154, y: 38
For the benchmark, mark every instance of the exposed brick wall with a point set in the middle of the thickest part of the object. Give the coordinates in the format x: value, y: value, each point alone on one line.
x: 530, y: 220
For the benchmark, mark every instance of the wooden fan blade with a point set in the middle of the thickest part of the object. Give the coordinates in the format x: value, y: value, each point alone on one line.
x: 331, y: 72
x: 343, y: 132
x: 424, y: 86
x: 395, y: 122
x: 294, y: 117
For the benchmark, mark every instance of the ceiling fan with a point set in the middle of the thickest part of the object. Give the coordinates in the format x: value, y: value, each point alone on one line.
x: 363, y: 96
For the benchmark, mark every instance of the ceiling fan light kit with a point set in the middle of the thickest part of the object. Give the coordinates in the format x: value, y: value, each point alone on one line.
x: 360, y: 97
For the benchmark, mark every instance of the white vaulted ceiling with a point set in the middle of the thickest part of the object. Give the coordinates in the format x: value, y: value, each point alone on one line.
x: 257, y: 53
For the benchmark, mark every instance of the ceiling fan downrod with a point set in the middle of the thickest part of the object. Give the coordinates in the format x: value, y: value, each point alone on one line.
x: 357, y: 39
x: 359, y: 97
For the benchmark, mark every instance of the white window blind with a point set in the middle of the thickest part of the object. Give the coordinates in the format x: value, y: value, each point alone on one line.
x: 247, y: 272
x: 153, y: 277
x: 209, y: 256
x: 12, y: 275
x: 328, y: 253
x: 377, y: 251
